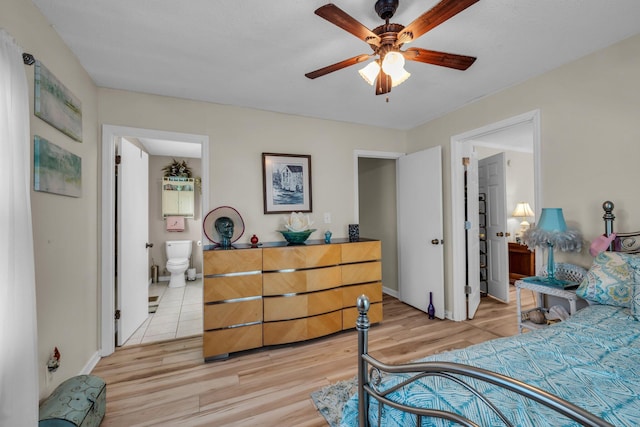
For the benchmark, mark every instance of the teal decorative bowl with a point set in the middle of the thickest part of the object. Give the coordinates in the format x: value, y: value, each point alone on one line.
x: 296, y: 237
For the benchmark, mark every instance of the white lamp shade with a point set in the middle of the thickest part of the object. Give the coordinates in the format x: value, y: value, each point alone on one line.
x: 393, y: 63
x: 522, y: 210
x: 370, y: 72
x: 401, y: 78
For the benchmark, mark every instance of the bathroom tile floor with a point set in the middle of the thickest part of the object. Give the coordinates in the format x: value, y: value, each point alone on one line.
x: 178, y: 313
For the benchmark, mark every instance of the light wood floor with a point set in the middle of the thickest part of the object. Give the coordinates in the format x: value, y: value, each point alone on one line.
x: 168, y: 383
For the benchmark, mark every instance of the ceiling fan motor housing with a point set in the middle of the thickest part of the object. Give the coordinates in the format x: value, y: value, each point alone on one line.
x: 386, y: 8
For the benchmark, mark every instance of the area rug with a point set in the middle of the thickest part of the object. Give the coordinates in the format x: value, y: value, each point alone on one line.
x: 330, y: 400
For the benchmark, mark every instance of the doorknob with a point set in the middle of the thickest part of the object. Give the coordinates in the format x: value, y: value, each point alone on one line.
x: 148, y: 245
x: 500, y: 234
x: 435, y: 242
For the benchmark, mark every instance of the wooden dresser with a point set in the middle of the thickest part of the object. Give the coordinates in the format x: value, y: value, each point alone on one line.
x: 232, y: 296
x: 279, y: 294
x: 521, y: 262
x: 361, y: 274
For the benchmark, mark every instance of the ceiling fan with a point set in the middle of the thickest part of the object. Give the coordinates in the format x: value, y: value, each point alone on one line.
x: 387, y: 70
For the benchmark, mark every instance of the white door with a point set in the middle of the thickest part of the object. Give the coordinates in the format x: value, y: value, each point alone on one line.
x: 420, y: 252
x: 132, y: 287
x: 494, y: 176
x: 472, y: 230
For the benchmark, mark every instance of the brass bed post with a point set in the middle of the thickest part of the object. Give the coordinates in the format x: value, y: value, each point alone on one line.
x: 362, y: 326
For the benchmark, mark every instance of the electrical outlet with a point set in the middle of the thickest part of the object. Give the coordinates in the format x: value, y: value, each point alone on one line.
x: 327, y: 217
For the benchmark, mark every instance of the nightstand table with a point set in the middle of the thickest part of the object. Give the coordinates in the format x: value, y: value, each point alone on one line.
x: 541, y: 290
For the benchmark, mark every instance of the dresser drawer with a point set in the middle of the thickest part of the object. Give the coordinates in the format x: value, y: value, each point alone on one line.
x: 223, y: 341
x: 223, y: 288
x: 232, y: 261
x: 296, y: 306
x: 293, y: 282
x: 300, y: 257
x: 361, y: 251
x: 302, y: 329
x: 232, y: 314
x: 351, y: 293
x: 362, y: 272
x: 350, y: 315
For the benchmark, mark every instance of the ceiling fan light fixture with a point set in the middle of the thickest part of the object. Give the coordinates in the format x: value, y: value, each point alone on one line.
x: 396, y: 80
x: 393, y: 63
x: 387, y: 39
x: 370, y: 72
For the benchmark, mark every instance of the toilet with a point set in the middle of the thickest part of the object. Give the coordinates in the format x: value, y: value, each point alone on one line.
x: 178, y: 253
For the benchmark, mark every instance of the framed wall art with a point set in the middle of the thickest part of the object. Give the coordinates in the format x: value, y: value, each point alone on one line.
x: 286, y: 183
x: 56, y: 170
x: 55, y: 104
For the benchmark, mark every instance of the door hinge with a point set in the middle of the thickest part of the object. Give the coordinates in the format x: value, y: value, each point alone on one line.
x: 118, y: 159
x: 467, y: 290
x: 117, y: 316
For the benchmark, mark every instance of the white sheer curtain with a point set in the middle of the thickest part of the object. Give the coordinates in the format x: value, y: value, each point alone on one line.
x: 18, y: 327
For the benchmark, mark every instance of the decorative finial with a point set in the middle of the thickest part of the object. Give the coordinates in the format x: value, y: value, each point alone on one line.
x: 363, y: 304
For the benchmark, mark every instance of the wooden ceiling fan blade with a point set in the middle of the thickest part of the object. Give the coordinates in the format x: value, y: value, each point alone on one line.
x: 337, y: 66
x: 443, y: 59
x: 383, y: 83
x: 337, y: 16
x: 441, y: 12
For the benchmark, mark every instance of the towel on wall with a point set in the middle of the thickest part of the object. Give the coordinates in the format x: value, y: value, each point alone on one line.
x: 175, y: 223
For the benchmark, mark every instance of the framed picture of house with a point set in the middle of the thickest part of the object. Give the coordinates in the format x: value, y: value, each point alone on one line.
x: 286, y: 183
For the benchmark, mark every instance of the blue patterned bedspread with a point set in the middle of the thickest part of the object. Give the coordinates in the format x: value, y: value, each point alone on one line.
x: 591, y: 360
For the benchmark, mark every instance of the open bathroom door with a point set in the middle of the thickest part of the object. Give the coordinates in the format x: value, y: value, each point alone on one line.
x: 132, y: 275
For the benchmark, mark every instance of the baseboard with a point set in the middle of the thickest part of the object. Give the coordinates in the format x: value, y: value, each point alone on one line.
x: 93, y: 361
x: 392, y: 292
x: 167, y: 278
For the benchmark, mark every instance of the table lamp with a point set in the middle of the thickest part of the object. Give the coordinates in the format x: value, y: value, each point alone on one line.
x: 523, y: 210
x: 551, y: 232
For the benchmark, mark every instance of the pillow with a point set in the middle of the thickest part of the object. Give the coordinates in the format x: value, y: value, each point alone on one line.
x: 601, y: 244
x: 609, y: 280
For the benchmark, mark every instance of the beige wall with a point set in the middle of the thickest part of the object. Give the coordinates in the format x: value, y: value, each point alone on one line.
x: 589, y: 139
x: 237, y: 139
x: 65, y: 228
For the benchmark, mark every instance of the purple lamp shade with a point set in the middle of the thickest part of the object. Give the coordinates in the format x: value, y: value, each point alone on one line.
x: 552, y: 220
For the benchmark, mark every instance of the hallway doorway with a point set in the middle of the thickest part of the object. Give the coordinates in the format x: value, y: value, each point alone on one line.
x: 461, y: 146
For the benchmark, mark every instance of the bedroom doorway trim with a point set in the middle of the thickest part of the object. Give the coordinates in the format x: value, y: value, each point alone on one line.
x: 110, y: 133
x: 458, y: 144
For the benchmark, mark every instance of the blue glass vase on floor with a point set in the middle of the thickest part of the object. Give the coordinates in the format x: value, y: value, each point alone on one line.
x: 431, y: 310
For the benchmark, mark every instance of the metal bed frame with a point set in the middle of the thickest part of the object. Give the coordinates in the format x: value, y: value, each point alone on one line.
x: 371, y: 371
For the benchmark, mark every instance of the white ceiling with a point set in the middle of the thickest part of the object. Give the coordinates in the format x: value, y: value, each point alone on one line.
x: 254, y: 53
x: 163, y: 147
